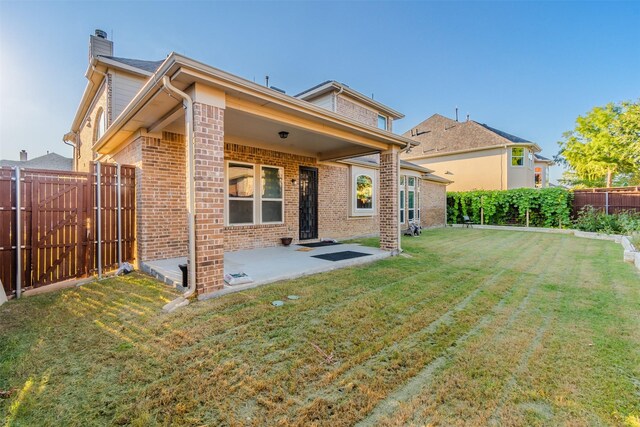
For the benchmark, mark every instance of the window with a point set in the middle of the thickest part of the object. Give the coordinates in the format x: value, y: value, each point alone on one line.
x: 517, y: 156
x: 417, y: 196
x: 364, y: 192
x: 402, y: 199
x: 240, y: 193
x: 251, y: 200
x: 101, y: 124
x: 411, y: 198
x: 272, y: 203
x: 538, y: 177
x: 382, y: 122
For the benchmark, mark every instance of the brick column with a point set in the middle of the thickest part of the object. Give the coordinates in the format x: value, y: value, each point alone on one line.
x: 389, y: 214
x: 208, y: 136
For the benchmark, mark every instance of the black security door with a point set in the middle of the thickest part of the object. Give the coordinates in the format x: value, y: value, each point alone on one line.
x: 308, y: 203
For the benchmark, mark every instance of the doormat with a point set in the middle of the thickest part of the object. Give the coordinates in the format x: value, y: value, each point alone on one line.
x: 304, y: 249
x: 339, y: 256
x: 318, y: 244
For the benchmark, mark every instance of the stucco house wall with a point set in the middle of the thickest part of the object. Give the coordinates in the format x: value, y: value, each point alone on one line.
x: 479, y: 170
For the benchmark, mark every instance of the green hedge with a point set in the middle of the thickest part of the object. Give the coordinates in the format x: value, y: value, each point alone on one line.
x: 548, y: 207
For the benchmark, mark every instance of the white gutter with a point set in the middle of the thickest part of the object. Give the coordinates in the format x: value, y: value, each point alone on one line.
x: 191, y: 203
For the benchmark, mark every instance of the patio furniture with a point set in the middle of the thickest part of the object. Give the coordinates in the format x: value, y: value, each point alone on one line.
x: 467, y: 221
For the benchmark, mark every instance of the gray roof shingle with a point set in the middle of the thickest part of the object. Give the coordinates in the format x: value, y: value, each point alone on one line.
x: 505, y: 135
x: 149, y: 66
x: 50, y: 161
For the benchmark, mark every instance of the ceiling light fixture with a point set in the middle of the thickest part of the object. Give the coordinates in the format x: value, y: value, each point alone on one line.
x: 283, y: 134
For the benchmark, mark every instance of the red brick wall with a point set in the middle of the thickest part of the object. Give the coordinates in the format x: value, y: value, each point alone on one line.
x: 389, y: 231
x: 208, y: 136
x: 433, y: 202
x: 161, y: 225
x: 334, y: 220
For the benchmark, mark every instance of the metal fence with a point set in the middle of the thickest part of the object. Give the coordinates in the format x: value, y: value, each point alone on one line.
x: 57, y: 225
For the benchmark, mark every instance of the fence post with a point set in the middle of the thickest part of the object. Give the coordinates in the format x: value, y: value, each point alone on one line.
x: 481, y: 210
x: 99, y: 219
x: 606, y: 201
x: 18, y: 236
x: 118, y: 195
x: 527, y: 217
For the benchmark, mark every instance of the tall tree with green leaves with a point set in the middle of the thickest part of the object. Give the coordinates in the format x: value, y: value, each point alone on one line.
x: 604, y: 147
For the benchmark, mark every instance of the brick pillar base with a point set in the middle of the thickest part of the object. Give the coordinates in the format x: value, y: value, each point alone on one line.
x: 389, y: 222
x: 208, y: 135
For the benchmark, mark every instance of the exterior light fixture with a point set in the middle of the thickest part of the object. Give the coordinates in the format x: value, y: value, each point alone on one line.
x: 294, y: 181
x: 283, y: 134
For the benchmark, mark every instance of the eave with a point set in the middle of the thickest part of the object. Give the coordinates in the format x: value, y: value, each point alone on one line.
x: 184, y: 72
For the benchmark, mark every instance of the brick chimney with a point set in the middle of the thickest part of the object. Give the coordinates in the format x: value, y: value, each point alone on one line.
x: 99, y: 45
x: 23, y: 155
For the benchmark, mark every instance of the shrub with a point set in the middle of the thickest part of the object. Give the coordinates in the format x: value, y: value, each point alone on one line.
x: 594, y: 220
x: 548, y: 207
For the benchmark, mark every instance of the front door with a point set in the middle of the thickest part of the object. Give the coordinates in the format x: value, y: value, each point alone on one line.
x: 308, y: 203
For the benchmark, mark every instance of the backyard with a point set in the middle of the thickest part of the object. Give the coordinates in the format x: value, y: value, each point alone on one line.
x: 468, y: 327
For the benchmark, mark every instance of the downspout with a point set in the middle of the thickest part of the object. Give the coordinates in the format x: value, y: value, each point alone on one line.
x: 66, y: 139
x: 191, y: 203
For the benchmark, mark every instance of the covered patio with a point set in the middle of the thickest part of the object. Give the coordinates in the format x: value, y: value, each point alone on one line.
x: 268, y: 265
x: 192, y: 129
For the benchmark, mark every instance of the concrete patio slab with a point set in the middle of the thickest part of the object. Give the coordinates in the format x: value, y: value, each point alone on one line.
x: 268, y: 265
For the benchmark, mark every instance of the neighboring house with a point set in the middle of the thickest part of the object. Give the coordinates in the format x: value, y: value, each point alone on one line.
x: 476, y: 156
x: 246, y: 163
x: 48, y: 161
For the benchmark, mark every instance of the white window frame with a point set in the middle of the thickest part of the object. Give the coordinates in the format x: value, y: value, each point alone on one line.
x: 402, y: 195
x: 257, y: 198
x: 228, y: 198
x: 411, y: 189
x: 354, y: 173
x: 270, y: 199
x: 523, y: 156
x: 386, y: 122
x: 416, y: 200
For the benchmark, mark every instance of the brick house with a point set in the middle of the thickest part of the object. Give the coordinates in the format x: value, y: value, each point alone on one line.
x: 225, y: 164
x: 476, y: 156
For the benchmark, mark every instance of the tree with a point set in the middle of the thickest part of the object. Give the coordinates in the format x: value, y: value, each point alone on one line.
x: 604, y: 147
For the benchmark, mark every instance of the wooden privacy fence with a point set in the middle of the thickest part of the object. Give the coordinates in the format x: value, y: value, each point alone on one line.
x: 609, y: 200
x: 51, y: 223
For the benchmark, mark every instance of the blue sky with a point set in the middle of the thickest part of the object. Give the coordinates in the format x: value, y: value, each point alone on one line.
x: 528, y: 68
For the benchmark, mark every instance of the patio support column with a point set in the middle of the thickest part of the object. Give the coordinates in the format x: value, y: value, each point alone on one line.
x: 208, y: 137
x: 389, y: 222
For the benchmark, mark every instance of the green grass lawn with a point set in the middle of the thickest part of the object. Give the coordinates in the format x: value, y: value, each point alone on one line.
x: 468, y: 327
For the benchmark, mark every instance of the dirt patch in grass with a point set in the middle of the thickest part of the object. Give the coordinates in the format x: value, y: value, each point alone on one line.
x: 476, y: 327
